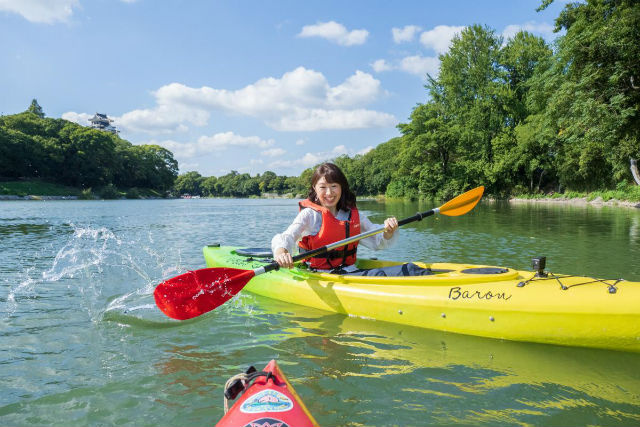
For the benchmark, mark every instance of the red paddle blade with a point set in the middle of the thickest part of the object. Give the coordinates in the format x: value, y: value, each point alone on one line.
x: 197, y: 292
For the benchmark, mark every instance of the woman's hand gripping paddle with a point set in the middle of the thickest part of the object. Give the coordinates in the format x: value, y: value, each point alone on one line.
x: 197, y: 292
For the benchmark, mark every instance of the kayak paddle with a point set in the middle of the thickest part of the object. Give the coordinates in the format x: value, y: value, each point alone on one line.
x: 200, y: 291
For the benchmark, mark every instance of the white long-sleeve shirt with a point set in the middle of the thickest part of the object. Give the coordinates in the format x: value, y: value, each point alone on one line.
x: 308, y: 223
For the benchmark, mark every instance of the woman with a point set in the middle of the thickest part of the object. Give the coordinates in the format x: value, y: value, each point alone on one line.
x: 328, y: 215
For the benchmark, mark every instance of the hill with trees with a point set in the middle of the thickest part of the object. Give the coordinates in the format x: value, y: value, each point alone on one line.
x: 62, y: 152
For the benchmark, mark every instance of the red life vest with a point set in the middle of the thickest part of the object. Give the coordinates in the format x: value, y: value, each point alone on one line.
x: 331, y: 231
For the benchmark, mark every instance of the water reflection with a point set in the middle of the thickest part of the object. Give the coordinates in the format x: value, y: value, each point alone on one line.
x: 429, y: 370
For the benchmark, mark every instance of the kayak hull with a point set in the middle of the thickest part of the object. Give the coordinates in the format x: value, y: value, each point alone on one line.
x: 485, y: 301
x: 269, y: 402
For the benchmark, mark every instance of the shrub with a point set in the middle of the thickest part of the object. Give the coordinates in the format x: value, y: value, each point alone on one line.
x: 109, y: 192
x: 86, y: 194
x: 132, y: 193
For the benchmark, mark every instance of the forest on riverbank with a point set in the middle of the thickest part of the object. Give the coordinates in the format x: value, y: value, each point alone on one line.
x: 519, y: 116
x: 58, y: 151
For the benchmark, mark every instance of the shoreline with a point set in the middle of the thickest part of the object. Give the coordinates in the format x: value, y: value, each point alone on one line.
x: 33, y: 197
x: 579, y: 201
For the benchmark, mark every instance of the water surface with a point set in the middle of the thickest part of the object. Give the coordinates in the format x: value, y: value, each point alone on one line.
x: 82, y: 343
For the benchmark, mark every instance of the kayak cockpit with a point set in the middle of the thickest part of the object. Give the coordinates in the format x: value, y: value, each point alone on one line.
x: 443, y: 273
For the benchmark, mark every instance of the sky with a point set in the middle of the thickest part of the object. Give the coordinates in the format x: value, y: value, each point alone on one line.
x: 250, y: 86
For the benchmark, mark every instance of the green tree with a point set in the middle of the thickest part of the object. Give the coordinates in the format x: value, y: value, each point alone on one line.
x: 189, y: 183
x: 593, y: 106
x: 36, y: 109
x: 210, y: 187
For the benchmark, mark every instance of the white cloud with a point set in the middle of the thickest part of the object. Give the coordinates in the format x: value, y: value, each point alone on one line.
x: 221, y: 141
x: 405, y: 34
x: 301, y: 141
x: 165, y: 118
x: 335, y: 32
x: 380, y: 65
x: 300, y: 100
x: 41, y: 11
x: 439, y: 38
x: 360, y: 88
x: 79, y: 118
x: 417, y: 64
x: 209, y: 144
x: 420, y: 65
x: 187, y: 167
x: 273, y: 152
x: 312, y: 159
x: 319, y: 119
x: 542, y: 29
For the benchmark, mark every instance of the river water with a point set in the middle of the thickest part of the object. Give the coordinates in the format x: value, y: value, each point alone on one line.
x: 82, y: 343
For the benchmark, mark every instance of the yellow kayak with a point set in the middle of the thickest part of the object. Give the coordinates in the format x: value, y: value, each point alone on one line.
x: 479, y: 300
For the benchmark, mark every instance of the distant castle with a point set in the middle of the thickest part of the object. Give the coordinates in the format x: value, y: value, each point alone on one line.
x: 102, y: 122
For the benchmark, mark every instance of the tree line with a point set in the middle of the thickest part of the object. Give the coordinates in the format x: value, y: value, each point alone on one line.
x: 521, y: 116
x: 517, y: 116
x: 62, y: 152
x: 236, y: 184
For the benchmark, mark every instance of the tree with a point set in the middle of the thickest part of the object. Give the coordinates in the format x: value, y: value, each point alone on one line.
x: 594, y: 105
x: 189, y: 183
x: 36, y: 109
x: 210, y: 187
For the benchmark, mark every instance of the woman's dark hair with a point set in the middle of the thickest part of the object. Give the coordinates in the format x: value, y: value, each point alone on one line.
x: 333, y: 174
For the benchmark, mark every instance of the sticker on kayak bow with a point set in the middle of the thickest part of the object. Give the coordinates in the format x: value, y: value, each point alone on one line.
x: 267, y: 422
x: 267, y: 401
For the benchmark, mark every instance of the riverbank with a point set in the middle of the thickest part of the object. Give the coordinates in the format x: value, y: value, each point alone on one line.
x: 32, y: 197
x: 578, y: 201
x: 34, y: 189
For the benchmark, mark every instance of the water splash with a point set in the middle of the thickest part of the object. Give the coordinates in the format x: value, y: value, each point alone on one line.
x: 93, y: 261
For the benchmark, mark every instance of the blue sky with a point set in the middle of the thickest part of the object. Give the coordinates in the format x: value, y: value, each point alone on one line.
x: 240, y: 85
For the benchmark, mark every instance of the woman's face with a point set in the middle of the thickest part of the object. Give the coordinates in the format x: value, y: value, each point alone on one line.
x: 328, y: 193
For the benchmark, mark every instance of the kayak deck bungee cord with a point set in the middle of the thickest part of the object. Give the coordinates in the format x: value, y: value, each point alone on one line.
x: 487, y: 301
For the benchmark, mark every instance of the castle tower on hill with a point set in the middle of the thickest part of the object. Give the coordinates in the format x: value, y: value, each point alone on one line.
x: 102, y: 122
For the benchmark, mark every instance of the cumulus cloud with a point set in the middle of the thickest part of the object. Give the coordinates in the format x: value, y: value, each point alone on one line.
x: 439, y: 38
x: 335, y: 32
x: 405, y: 34
x: 208, y: 144
x: 312, y: 159
x: 380, y: 65
x: 79, y: 118
x: 542, y: 29
x: 273, y: 152
x: 166, y: 118
x: 420, y: 65
x: 416, y: 64
x: 319, y: 119
x: 41, y: 11
x: 300, y: 100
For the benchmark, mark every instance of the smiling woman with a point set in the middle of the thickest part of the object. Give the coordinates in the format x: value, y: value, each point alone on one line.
x: 329, y: 215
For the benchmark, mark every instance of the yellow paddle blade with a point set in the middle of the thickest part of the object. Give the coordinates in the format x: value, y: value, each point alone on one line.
x: 462, y: 203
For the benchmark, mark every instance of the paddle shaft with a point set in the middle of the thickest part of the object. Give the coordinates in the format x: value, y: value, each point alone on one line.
x: 324, y: 249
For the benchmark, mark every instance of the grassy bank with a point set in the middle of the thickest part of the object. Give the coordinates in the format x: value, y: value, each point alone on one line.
x: 626, y: 193
x: 36, y: 188
x: 40, y: 188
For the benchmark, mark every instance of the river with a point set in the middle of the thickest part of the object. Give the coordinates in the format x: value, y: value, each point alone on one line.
x: 82, y: 343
